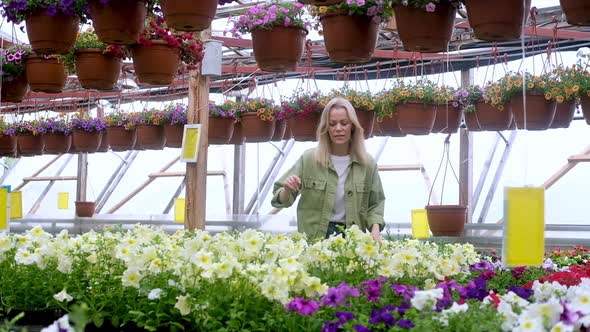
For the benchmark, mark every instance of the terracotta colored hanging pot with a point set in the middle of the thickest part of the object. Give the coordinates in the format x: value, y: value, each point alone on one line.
x: 189, y: 15
x: 416, y: 118
x: 320, y: 2
x: 7, y: 145
x: 51, y: 34
x: 490, y: 19
x: 423, y: 31
x: 448, y: 119
x: 104, y: 142
x: 446, y: 220
x: 173, y: 134
x: 564, y: 114
x: 156, y: 64
x: 45, y: 75
x: 220, y: 130
x: 280, y: 129
x: 539, y: 111
x: 366, y: 120
x: 56, y: 143
x: 31, y: 145
x: 85, y: 209
x: 237, y: 137
x: 118, y: 21
x: 349, y: 38
x: 96, y: 70
x: 14, y: 91
x: 150, y: 137
x: 389, y: 126
x: 577, y: 12
x: 256, y: 130
x: 304, y: 129
x: 278, y: 49
x: 121, y: 139
x: 487, y: 117
x: 84, y: 141
x: 585, y: 101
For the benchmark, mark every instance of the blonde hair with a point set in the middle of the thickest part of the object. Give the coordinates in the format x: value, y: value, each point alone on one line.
x: 357, y: 148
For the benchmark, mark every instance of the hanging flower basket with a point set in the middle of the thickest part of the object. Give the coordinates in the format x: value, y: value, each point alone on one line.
x: 14, y: 91
x: 278, y: 49
x: 104, y: 142
x: 389, y: 126
x: 255, y: 129
x: 52, y: 34
x: 446, y: 220
x: 280, y: 129
x: 189, y: 15
x: 321, y: 2
x: 448, y: 119
x: 585, y: 101
x: 577, y: 12
x: 416, y: 118
x: 121, y: 139
x: 237, y: 137
x: 97, y: 70
x: 366, y: 120
x: 118, y: 21
x: 85, y: 209
x: 173, y: 134
x: 221, y: 130
x: 490, y: 19
x: 349, y: 38
x: 486, y: 117
x: 539, y: 111
x: 31, y: 145
x: 84, y: 141
x: 8, y: 145
x: 156, y: 64
x: 424, y: 31
x: 564, y: 114
x: 304, y: 129
x: 150, y: 137
x: 56, y: 143
x: 45, y: 74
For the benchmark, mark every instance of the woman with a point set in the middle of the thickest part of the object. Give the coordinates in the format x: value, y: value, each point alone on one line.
x: 338, y: 181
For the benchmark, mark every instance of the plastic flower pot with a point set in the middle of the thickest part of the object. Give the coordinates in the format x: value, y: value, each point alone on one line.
x: 118, y: 21
x: 45, y: 74
x: 96, y: 70
x: 189, y: 15
x: 52, y: 34
x: 14, y: 91
x: 446, y: 220
x: 220, y: 130
x: 85, y: 209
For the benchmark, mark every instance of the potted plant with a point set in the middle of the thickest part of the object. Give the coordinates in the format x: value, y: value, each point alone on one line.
x: 491, y: 107
x: 119, y: 21
x: 157, y: 56
x: 258, y: 119
x: 449, y: 109
x: 96, y: 64
x: 233, y: 110
x: 7, y: 139
x: 320, y: 2
x: 490, y: 19
x: 45, y: 73
x: 433, y: 33
x: 150, y: 129
x: 58, y: 138
x: 303, y: 110
x: 30, y: 137
x: 14, y: 78
x: 278, y: 33
x: 415, y: 106
x: 121, y: 130
x: 87, y: 133
x: 359, y: 21
x: 565, y: 89
x: 175, y: 116
x: 51, y: 24
x: 387, y: 121
x: 281, y: 124
x: 362, y: 101
x: 188, y: 15
x: 221, y: 123
x: 540, y: 103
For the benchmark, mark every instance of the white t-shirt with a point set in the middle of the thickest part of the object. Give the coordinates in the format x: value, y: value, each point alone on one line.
x: 341, y: 164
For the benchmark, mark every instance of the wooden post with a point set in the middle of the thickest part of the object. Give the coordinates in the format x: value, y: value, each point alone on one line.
x: 466, y: 157
x: 196, y: 173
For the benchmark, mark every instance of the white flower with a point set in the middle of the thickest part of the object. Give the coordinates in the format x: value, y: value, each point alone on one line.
x: 63, y: 296
x: 548, y: 312
x: 426, y: 300
x: 183, y: 305
x: 155, y: 294
x: 131, y: 277
x: 531, y: 324
x: 24, y: 257
x: 561, y: 327
x: 581, y: 303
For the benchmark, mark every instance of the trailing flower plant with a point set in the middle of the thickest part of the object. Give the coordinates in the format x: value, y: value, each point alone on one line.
x: 302, y: 105
x: 152, y: 116
x: 89, y: 39
x: 229, y: 108
x: 31, y: 127
x: 377, y: 10
x: 6, y: 128
x: 120, y: 118
x: 85, y: 123
x: 269, y: 15
x: 57, y: 125
x: 264, y: 108
x: 427, y: 5
x: 466, y: 98
x: 191, y: 47
x: 16, y: 11
x: 565, y: 83
x: 13, y: 61
x: 360, y: 100
x: 176, y: 114
x: 218, y: 111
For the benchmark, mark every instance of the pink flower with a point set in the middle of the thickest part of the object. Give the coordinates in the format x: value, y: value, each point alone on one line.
x: 430, y: 7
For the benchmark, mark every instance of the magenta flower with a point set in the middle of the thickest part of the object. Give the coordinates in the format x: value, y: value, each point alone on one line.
x: 303, y: 306
x: 430, y: 7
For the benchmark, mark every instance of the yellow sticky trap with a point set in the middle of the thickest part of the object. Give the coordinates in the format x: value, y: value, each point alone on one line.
x: 4, y: 209
x: 16, y: 205
x: 524, y: 228
x: 420, y: 229
x: 190, y: 143
x: 63, y: 200
x: 179, y: 210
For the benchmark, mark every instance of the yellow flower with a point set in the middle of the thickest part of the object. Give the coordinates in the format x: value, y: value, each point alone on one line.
x: 559, y: 99
x: 542, y: 85
x: 530, y: 85
x: 575, y: 88
x: 500, y: 107
x: 555, y: 90
x: 548, y: 96
x: 323, y: 9
x: 518, y: 83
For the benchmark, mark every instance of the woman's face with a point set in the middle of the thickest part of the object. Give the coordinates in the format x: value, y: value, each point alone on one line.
x: 339, y: 126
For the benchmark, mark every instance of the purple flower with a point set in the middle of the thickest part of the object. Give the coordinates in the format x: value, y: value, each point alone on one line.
x: 430, y: 7
x: 344, y: 316
x: 481, y: 266
x: 303, y: 306
x: 405, y: 324
x: 523, y: 292
x: 330, y: 326
x: 362, y: 328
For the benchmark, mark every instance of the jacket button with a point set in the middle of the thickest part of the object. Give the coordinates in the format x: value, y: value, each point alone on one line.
x: 313, y: 184
x: 349, y: 193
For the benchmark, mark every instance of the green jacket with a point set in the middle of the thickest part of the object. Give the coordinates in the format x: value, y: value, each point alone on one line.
x: 363, y: 195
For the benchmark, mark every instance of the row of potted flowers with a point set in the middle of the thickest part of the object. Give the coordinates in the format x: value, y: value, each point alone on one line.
x: 157, y: 59
x: 146, y: 278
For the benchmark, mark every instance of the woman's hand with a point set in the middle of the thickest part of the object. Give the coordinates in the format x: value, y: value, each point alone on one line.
x: 292, y: 184
x: 376, y: 233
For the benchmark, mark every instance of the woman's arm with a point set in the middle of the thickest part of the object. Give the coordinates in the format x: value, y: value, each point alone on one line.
x: 376, y: 202
x: 283, y: 194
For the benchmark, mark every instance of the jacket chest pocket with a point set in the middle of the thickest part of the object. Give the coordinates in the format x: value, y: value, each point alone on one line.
x: 362, y: 194
x: 314, y: 184
x: 312, y: 195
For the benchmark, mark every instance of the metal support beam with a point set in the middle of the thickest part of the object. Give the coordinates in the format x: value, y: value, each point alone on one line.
x: 239, y: 179
x: 115, y: 179
x: 564, y: 170
x: 466, y: 158
x: 496, y: 179
x: 175, y: 196
x: 8, y: 170
x: 20, y: 186
x: 51, y: 180
x: 82, y: 177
